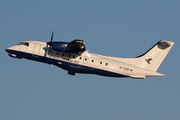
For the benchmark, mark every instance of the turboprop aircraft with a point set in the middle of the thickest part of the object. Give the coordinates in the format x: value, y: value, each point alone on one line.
x: 73, y: 57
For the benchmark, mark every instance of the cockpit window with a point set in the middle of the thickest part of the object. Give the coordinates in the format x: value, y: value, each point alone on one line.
x: 26, y: 44
x: 23, y: 43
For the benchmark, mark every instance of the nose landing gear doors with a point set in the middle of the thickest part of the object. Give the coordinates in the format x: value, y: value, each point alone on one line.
x: 36, y: 50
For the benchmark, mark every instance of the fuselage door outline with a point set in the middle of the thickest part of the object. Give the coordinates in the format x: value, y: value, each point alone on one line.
x: 36, y: 50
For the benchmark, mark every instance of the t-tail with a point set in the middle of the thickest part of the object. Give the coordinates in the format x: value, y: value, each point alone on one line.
x: 152, y: 59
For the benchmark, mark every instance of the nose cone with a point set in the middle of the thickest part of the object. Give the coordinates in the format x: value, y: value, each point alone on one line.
x: 13, y: 52
x: 11, y: 49
x: 8, y: 49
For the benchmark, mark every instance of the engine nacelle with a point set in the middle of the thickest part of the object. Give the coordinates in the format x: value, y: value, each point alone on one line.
x: 76, y: 46
x: 59, y: 46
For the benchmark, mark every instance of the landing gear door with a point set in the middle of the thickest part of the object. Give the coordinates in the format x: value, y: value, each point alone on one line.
x: 36, y: 50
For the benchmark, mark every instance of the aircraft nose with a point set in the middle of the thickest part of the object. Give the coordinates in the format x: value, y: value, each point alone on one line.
x: 8, y: 49
x: 12, y: 52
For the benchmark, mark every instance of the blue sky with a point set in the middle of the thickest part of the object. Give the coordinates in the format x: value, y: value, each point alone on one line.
x: 32, y: 90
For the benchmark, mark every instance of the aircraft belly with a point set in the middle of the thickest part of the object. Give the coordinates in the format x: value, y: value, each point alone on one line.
x: 87, y: 70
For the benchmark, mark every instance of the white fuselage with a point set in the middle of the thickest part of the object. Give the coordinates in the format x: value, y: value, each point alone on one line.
x: 79, y: 63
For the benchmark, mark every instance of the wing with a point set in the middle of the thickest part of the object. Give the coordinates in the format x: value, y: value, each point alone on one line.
x: 76, y: 46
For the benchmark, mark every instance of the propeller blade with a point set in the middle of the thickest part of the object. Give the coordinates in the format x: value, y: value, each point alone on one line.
x: 52, y: 36
x: 50, y: 43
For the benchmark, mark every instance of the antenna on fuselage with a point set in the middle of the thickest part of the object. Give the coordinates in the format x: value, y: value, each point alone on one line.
x: 50, y: 43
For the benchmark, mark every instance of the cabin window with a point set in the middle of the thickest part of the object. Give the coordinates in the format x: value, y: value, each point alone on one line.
x: 100, y: 62
x: 80, y: 58
x: 92, y: 60
x: 106, y: 64
x: 63, y: 54
x: 57, y: 53
x: 73, y: 56
x: 85, y: 59
x: 69, y: 55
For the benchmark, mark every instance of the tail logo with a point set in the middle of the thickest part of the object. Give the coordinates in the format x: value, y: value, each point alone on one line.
x: 148, y: 60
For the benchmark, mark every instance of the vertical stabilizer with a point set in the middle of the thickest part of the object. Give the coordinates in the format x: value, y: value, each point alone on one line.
x: 153, y: 57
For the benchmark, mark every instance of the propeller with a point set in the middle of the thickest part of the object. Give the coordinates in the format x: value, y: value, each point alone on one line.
x: 50, y: 43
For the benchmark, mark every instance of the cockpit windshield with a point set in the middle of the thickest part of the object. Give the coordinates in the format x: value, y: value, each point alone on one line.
x: 23, y: 43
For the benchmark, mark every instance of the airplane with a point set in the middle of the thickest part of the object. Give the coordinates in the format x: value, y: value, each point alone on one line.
x: 73, y: 57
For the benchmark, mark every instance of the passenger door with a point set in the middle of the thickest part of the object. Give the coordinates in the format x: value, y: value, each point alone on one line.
x: 36, y: 50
